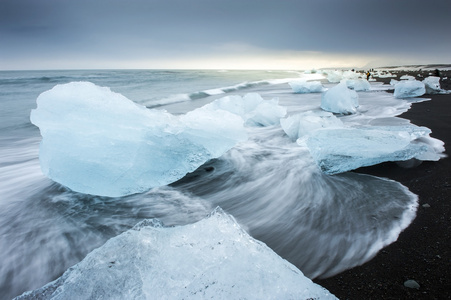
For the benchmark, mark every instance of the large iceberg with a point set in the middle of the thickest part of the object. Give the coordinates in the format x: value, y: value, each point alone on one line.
x: 304, y: 86
x: 340, y: 99
x: 99, y: 142
x: 409, y: 88
x: 213, y: 258
x: 337, y: 150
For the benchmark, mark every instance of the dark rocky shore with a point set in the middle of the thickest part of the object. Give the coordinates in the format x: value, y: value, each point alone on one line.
x: 423, y: 251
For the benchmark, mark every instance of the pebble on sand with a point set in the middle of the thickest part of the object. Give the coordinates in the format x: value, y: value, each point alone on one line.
x: 411, y: 284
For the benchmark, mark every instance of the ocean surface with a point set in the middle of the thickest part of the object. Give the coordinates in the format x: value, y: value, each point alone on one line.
x: 322, y: 224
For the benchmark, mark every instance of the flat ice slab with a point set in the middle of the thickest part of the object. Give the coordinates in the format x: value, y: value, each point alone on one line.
x: 338, y: 150
x: 213, y: 258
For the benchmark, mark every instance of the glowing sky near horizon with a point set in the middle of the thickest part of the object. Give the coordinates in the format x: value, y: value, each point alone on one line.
x: 219, y: 34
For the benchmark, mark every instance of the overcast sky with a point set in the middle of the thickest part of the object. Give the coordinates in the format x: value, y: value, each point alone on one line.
x: 197, y: 34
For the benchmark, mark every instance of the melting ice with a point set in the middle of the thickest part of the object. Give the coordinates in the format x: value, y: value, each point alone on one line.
x: 213, y: 258
x: 98, y: 142
x: 304, y: 86
x: 340, y: 100
x: 409, y: 88
x: 269, y: 182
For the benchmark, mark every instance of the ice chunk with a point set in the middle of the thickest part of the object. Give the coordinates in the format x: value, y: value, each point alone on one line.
x: 340, y: 100
x: 432, y: 84
x: 334, y: 76
x: 254, y: 110
x: 304, y: 87
x: 213, y: 258
x: 409, y: 88
x: 340, y: 150
x: 358, y: 84
x: 407, y: 77
x: 383, y: 74
x: 98, y: 142
x: 351, y: 75
x: 394, y: 82
x: 298, y: 125
x: 337, y: 75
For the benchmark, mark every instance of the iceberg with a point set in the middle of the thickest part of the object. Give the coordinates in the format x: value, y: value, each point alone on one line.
x: 409, y: 88
x: 213, y: 258
x: 393, y: 82
x: 340, y: 100
x: 304, y: 87
x: 432, y: 85
x: 252, y: 108
x: 383, y: 74
x: 299, y: 125
x: 358, y: 84
x: 335, y: 76
x: 338, y: 150
x: 407, y: 77
x: 95, y: 141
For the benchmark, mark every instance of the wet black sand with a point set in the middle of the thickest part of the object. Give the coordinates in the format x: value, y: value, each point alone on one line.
x: 423, y: 250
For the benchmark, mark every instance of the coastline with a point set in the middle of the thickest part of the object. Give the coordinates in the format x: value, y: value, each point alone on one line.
x: 421, y: 252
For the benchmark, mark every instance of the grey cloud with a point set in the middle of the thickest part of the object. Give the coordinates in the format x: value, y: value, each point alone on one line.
x: 145, y: 28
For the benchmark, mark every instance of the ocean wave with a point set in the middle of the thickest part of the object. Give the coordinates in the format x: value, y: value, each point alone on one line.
x: 177, y: 98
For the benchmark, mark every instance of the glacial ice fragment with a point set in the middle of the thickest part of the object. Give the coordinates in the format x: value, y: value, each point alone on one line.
x: 252, y: 108
x: 213, y: 258
x: 335, y: 76
x: 432, y: 85
x: 301, y: 124
x: 407, y: 77
x: 304, y: 87
x: 409, y: 88
x: 340, y: 100
x: 338, y: 150
x: 99, y: 142
x: 358, y: 85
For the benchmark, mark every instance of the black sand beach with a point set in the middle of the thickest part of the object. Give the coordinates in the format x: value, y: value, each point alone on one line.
x: 422, y: 251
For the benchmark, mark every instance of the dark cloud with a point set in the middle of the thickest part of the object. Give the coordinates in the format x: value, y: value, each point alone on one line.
x: 116, y: 29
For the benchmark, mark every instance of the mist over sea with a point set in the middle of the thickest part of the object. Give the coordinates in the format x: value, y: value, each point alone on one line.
x: 323, y: 224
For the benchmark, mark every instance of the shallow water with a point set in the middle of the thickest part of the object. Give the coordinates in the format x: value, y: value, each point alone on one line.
x: 323, y: 224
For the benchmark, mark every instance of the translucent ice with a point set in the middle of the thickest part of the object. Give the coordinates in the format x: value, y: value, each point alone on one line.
x: 407, y: 77
x: 340, y: 99
x: 409, y: 88
x: 358, y: 84
x: 432, y: 84
x: 251, y: 108
x: 304, y: 87
x: 98, y: 142
x: 335, y: 76
x: 383, y: 74
x: 394, y: 82
x: 338, y: 150
x: 213, y: 258
x: 301, y: 124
